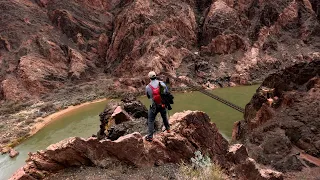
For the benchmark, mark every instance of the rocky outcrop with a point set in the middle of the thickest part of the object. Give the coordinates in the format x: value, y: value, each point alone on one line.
x: 190, y: 131
x: 278, y: 134
x: 247, y: 168
x: 46, y: 44
x: 151, y: 35
x: 125, y: 117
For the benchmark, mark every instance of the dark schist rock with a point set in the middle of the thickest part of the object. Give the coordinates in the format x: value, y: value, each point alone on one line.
x: 275, y: 134
x: 124, y: 117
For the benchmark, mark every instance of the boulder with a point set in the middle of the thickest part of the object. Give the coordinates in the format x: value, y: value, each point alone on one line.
x: 188, y: 131
x: 135, y: 108
x: 13, y: 153
x: 249, y: 169
x: 237, y: 153
x: 119, y: 116
x: 125, y: 117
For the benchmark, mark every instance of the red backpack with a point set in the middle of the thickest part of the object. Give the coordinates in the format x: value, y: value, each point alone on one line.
x: 156, y: 94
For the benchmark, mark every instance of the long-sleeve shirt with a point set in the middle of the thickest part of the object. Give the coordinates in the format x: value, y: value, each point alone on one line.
x: 155, y: 84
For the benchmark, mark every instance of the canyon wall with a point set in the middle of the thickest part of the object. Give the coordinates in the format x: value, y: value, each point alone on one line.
x: 50, y: 44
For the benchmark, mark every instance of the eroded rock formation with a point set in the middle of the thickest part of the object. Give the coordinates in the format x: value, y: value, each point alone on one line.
x: 50, y: 44
x: 190, y: 131
x: 125, y: 117
x: 286, y: 133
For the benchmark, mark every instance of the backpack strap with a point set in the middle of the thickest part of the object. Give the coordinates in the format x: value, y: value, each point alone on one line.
x: 151, y: 87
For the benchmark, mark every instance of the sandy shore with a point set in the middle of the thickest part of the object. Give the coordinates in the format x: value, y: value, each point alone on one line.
x: 47, y: 120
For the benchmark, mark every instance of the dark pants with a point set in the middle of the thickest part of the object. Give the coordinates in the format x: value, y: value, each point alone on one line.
x: 153, y: 111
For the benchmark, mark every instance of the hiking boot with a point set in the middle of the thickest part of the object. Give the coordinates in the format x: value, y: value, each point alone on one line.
x: 149, y: 139
x: 168, y: 131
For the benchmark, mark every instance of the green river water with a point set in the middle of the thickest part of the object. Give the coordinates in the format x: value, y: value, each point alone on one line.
x: 84, y: 122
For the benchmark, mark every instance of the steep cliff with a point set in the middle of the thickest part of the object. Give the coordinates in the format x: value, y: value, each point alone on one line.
x: 282, y: 130
x: 49, y: 44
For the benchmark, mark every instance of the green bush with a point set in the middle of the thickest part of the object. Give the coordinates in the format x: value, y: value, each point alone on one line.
x: 201, y: 168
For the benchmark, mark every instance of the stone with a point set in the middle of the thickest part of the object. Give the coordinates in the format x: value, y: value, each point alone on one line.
x: 135, y: 108
x: 237, y: 153
x: 125, y: 117
x: 13, y: 153
x: 224, y: 44
x: 249, y: 169
x: 12, y: 89
x: 78, y: 64
x: 21, y: 174
x: 35, y: 70
x: 5, y: 150
x: 271, y: 133
x: 188, y: 129
x: 119, y: 116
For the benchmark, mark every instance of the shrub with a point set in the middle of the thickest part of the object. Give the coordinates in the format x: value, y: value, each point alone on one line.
x: 201, y: 168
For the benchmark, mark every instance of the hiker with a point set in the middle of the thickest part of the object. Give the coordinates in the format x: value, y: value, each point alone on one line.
x: 154, y: 90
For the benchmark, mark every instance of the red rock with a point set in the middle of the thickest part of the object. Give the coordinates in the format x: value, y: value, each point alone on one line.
x: 264, y: 114
x: 236, y: 130
x: 13, y: 153
x: 220, y: 18
x: 35, y: 69
x: 21, y: 174
x: 224, y: 44
x: 249, y: 169
x: 12, y: 89
x: 120, y: 115
x: 78, y: 64
x: 237, y: 153
x: 129, y: 38
x: 103, y: 45
x: 188, y: 129
x: 140, y: 52
x: 5, y: 150
x: 246, y: 168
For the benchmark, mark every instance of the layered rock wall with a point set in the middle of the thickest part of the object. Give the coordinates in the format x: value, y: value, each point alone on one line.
x: 50, y: 44
x: 280, y: 133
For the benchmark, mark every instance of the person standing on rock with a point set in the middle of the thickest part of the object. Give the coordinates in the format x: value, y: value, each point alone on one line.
x: 154, y: 90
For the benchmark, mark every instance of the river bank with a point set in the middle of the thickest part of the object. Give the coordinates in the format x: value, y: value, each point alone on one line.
x: 20, y: 119
x: 40, y: 122
x: 49, y: 119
